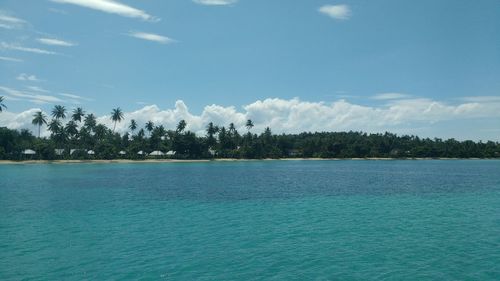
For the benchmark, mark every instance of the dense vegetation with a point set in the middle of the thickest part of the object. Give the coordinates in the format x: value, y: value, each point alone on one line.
x: 82, y: 134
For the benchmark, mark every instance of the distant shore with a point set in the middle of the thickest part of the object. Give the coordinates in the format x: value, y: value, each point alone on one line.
x: 126, y: 161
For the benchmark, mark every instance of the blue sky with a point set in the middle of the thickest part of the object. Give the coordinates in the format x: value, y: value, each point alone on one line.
x: 441, y: 57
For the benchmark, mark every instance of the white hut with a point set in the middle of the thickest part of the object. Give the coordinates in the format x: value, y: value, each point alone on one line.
x: 170, y: 153
x: 90, y: 152
x: 59, y: 151
x: 122, y: 152
x: 140, y: 153
x: 156, y: 153
x: 212, y: 152
x: 29, y: 152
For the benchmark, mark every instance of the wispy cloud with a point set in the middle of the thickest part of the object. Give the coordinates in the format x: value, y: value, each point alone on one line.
x: 390, y: 96
x: 31, y: 97
x: 11, y: 59
x: 75, y: 97
x: 215, y: 2
x: 112, y: 7
x: 151, y: 37
x: 58, y: 11
x: 482, y: 99
x: 55, y: 42
x: 10, y: 22
x: 37, y: 89
x: 16, y: 47
x: 27, y: 77
x: 339, y: 12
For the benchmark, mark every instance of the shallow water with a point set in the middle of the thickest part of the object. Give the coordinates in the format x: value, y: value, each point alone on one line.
x: 280, y: 220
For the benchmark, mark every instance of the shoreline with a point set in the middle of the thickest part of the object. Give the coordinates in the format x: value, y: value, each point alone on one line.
x: 130, y: 161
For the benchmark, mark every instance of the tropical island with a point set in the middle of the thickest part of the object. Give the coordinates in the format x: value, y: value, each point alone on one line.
x: 76, y: 135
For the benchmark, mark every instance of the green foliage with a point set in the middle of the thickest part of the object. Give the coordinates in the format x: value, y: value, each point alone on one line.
x: 221, y: 142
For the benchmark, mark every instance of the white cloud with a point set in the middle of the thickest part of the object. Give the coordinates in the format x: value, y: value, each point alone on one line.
x: 340, y: 12
x: 215, y: 2
x: 39, y: 96
x: 112, y: 7
x: 293, y: 116
x: 27, y: 77
x: 31, y: 97
x: 19, y: 120
x: 75, y: 97
x: 15, y: 47
x: 482, y: 99
x: 151, y: 37
x: 10, y: 22
x: 11, y: 59
x: 58, y: 11
x: 55, y: 42
x: 37, y: 89
x: 390, y: 96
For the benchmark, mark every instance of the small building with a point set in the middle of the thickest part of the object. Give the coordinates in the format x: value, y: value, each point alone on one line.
x: 28, y: 152
x: 170, y: 153
x: 140, y: 153
x: 156, y: 153
x: 122, y: 152
x: 90, y: 152
x: 59, y: 151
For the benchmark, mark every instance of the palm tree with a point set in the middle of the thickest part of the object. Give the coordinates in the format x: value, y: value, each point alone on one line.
x: 249, y: 125
x: 181, y: 126
x: 150, y: 126
x: 232, y: 129
x: 116, y: 116
x: 132, y: 126
x: 59, y: 112
x: 90, y: 121
x: 39, y: 119
x: 54, y: 126
x: 100, y: 131
x: 211, y: 131
x: 2, y: 105
x: 78, y: 113
x: 72, y: 129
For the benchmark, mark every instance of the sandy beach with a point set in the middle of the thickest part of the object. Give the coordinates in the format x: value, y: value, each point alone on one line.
x: 129, y: 161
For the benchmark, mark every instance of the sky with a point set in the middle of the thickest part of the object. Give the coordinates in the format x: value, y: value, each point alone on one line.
x: 428, y: 68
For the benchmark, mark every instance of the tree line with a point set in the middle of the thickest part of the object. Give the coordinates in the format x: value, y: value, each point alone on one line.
x: 81, y: 133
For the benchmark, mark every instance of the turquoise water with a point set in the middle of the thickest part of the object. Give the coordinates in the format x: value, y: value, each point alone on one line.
x: 278, y: 220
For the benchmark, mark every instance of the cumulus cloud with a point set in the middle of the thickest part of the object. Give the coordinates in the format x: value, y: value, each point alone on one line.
x: 111, y: 7
x: 55, y: 42
x: 27, y: 77
x: 16, y: 47
x: 339, y: 12
x: 295, y: 115
x: 215, y: 2
x: 151, y: 37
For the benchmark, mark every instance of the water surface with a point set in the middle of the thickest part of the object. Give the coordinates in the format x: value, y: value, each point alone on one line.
x: 278, y: 220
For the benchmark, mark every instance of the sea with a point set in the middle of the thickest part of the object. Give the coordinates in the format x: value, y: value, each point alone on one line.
x: 251, y: 220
